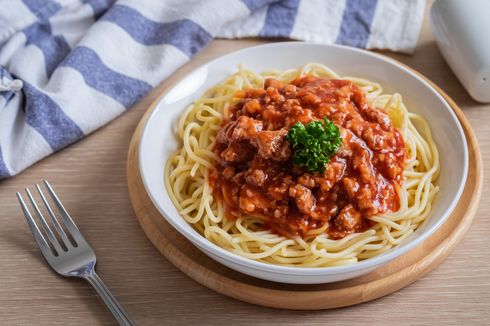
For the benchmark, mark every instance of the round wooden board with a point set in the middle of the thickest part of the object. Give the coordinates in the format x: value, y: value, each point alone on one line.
x: 384, y: 280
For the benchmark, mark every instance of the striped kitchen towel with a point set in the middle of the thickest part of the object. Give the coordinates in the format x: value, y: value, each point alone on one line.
x: 68, y: 67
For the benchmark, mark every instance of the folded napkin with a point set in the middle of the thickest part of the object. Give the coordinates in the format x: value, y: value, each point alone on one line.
x: 68, y: 67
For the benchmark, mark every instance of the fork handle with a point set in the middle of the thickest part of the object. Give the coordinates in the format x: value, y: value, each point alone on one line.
x: 117, y: 310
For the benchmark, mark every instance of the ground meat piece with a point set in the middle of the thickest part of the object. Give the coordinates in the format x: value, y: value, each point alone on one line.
x: 307, y: 180
x: 300, y: 114
x: 253, y: 201
x: 311, y: 99
x: 338, y: 117
x: 351, y: 186
x: 274, y: 117
x: 333, y: 173
x: 273, y: 145
x: 368, y: 137
x: 374, y: 138
x: 237, y: 152
x: 279, y: 188
x: 245, y: 128
x: 344, y: 152
x: 256, y: 177
x: 290, y: 104
x: 272, y: 82
x: 347, y: 219
x: 393, y: 170
x: 355, y: 127
x: 365, y: 200
x: 281, y: 211
x: 305, y: 201
x: 375, y: 115
x: 344, y: 91
x: 359, y: 98
x: 289, y: 89
x: 252, y: 106
x: 273, y: 95
x: 389, y: 165
x: 363, y: 166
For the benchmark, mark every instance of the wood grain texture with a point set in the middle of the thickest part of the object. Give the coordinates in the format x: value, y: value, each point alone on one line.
x: 90, y: 176
x: 382, y: 281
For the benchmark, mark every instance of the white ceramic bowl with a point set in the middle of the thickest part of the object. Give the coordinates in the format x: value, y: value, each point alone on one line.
x: 159, y: 141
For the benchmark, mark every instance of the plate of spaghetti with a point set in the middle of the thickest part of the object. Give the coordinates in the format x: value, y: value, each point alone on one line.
x: 303, y: 163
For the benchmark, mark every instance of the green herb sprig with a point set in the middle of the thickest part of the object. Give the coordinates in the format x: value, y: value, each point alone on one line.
x: 314, y: 144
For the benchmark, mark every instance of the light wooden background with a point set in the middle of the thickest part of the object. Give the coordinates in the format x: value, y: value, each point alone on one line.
x: 91, y: 178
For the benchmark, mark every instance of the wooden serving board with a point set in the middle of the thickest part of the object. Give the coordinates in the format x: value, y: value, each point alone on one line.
x: 384, y: 280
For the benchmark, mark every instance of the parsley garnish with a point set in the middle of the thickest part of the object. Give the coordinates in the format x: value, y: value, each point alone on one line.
x: 314, y: 144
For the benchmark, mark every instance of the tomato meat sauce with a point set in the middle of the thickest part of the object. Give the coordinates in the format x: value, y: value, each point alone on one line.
x: 255, y: 174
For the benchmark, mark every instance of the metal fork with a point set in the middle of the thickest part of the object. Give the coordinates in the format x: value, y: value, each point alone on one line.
x: 68, y: 257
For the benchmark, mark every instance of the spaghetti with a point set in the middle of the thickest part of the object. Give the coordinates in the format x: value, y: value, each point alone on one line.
x: 187, y: 174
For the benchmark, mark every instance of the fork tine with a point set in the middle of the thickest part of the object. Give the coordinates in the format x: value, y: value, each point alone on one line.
x: 54, y: 220
x: 70, y: 225
x: 41, y: 242
x: 47, y: 229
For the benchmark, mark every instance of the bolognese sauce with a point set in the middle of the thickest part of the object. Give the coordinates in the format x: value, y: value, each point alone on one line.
x: 256, y: 176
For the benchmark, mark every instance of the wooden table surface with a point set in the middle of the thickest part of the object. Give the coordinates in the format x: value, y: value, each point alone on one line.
x: 91, y: 178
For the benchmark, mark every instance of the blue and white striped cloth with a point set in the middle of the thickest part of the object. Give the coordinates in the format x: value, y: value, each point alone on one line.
x: 68, y: 67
